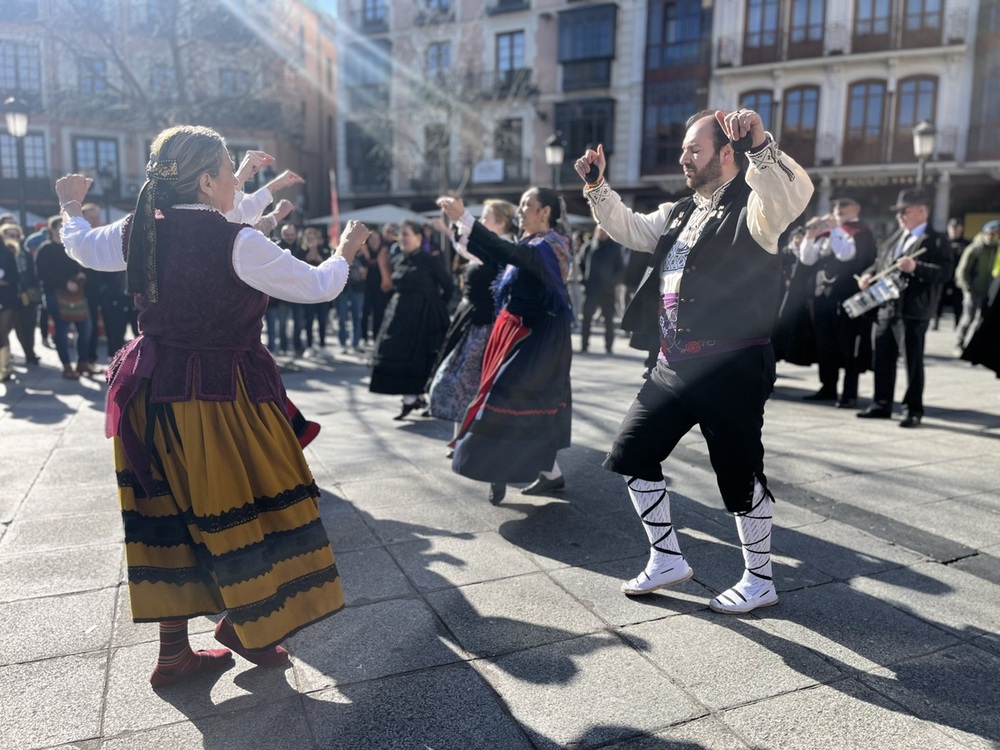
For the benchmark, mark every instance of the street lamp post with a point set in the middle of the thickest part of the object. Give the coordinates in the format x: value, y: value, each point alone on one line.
x: 555, y: 152
x: 15, y: 115
x: 924, y: 135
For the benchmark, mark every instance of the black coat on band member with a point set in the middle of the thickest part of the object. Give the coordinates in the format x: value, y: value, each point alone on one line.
x: 922, y: 295
x: 731, y: 287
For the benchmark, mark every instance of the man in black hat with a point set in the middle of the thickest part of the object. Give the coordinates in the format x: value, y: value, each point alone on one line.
x: 838, y: 254
x: 922, y: 261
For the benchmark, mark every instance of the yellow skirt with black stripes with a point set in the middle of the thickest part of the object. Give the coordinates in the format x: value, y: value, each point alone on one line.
x: 233, y: 524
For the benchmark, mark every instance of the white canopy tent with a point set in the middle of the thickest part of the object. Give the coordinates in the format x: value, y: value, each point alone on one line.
x: 384, y: 213
x: 476, y: 209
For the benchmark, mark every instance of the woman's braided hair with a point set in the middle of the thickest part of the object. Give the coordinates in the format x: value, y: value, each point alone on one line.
x: 178, y: 157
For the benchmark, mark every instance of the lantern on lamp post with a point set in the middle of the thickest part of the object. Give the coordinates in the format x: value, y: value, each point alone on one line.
x: 924, y: 135
x: 555, y: 153
x: 15, y: 115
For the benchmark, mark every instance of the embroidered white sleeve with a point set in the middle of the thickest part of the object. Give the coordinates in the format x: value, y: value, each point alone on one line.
x: 781, y: 192
x: 640, y: 232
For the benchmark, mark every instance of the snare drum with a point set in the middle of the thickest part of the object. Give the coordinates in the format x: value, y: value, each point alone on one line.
x: 884, y: 290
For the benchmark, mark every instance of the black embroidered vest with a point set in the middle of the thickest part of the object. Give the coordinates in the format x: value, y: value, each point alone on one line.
x: 731, y: 286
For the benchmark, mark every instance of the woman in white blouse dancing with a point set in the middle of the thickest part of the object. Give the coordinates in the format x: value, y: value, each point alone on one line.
x: 218, y: 503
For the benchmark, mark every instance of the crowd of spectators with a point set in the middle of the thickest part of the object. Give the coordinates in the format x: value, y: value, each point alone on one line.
x: 46, y: 297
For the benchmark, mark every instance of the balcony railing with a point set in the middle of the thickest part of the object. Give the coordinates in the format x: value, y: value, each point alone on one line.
x: 431, y: 16
x: 256, y: 114
x: 368, y: 95
x: 984, y: 142
x: 432, y: 179
x: 953, y: 30
x: 956, y: 26
x: 946, y: 144
x: 495, y: 7
x: 586, y: 74
x: 827, y: 149
x: 372, y: 21
x: 515, y: 83
x: 685, y: 53
x: 800, y: 146
x: 837, y: 37
x: 865, y: 148
x: 732, y: 51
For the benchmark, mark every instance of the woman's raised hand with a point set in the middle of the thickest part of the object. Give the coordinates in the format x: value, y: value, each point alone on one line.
x: 354, y: 235
x: 283, y: 180
x: 453, y: 207
x: 252, y: 163
x: 72, y: 187
x: 282, y: 209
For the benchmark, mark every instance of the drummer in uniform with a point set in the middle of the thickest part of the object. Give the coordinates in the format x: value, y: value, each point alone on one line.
x: 838, y: 254
x: 901, y: 324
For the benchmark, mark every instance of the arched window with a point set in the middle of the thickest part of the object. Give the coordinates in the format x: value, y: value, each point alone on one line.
x: 864, y: 136
x: 760, y: 101
x: 916, y: 100
x: 798, y: 125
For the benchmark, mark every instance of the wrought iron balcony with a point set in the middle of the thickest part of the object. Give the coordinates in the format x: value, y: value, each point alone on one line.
x: 514, y: 83
x: 431, y: 16
x: 371, y: 21
x: 496, y: 7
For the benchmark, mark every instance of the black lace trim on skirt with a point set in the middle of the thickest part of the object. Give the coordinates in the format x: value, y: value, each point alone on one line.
x: 127, y: 479
x: 156, y: 531
x: 257, y: 559
x: 250, y: 511
x: 270, y: 605
x: 174, y: 576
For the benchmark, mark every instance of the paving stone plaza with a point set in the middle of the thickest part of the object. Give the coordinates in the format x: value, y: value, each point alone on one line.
x: 469, y: 625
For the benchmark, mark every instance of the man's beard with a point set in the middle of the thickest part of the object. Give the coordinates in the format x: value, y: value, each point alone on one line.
x: 706, y: 175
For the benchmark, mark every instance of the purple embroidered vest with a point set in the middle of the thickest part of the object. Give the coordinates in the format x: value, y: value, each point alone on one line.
x: 204, y: 329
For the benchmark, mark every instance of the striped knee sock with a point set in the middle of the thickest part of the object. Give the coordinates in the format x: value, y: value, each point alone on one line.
x: 176, y: 660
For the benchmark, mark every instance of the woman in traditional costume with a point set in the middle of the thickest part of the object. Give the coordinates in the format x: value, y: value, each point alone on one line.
x: 415, y: 321
x: 521, y: 415
x: 218, y: 503
x: 459, y: 366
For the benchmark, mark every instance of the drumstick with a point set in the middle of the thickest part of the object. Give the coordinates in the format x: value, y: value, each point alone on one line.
x: 893, y: 267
